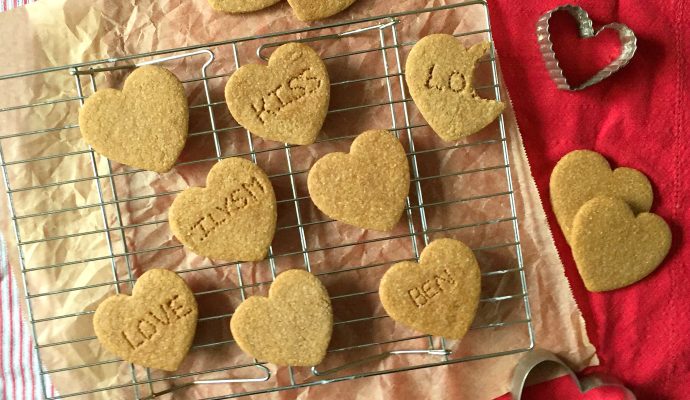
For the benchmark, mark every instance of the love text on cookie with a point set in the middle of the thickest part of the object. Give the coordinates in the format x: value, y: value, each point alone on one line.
x: 241, y: 197
x: 154, y: 321
x: 455, y: 82
x: 293, y: 89
x: 422, y: 294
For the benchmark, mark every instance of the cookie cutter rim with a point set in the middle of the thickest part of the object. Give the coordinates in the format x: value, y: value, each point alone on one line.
x: 538, y: 357
x: 586, y: 27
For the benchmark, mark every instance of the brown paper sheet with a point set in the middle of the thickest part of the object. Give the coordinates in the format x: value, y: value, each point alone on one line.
x: 60, y: 32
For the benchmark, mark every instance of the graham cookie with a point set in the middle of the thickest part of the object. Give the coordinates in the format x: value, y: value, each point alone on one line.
x: 241, y: 6
x: 154, y: 327
x: 440, y: 295
x: 440, y: 74
x: 365, y: 188
x: 290, y: 327
x: 233, y: 218
x: 582, y: 175
x: 314, y: 10
x: 286, y: 101
x: 613, y: 248
x: 144, y: 126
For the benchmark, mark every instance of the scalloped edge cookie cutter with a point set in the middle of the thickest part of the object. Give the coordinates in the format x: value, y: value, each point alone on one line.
x: 537, y: 357
x: 626, y: 35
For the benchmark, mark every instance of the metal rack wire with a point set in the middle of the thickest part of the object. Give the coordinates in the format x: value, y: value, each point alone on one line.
x: 358, y: 352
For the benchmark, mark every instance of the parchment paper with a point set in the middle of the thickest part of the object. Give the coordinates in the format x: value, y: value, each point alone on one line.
x: 71, y: 31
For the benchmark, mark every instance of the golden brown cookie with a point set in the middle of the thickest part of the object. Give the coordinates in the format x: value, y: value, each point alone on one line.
x: 287, y: 101
x: 154, y: 327
x: 233, y: 218
x: 290, y: 327
x: 241, y: 6
x: 440, y: 74
x: 582, y: 175
x: 365, y: 188
x: 314, y: 10
x: 144, y: 126
x: 440, y: 295
x: 613, y: 248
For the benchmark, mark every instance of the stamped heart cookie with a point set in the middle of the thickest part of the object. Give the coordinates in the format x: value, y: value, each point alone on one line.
x: 286, y: 101
x: 440, y: 74
x: 366, y: 188
x: 233, y: 218
x: 613, y: 248
x: 440, y: 295
x: 241, y: 6
x: 144, y: 126
x: 582, y: 175
x: 314, y: 10
x: 290, y: 327
x: 154, y: 327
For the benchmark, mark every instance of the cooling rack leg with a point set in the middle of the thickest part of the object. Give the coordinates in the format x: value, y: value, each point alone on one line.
x: 509, y: 181
x: 394, y: 120
x: 104, y: 215
x: 271, y: 258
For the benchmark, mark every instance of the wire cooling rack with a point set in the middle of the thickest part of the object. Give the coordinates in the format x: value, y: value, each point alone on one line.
x: 475, y: 204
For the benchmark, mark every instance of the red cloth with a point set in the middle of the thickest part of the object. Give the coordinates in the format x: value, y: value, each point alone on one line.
x: 637, y: 118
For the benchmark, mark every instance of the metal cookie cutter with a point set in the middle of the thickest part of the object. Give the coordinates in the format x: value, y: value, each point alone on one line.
x: 626, y: 35
x: 537, y: 357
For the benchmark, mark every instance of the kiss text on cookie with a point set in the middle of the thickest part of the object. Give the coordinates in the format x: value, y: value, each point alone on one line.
x: 165, y: 314
x: 422, y: 294
x: 240, y: 198
x: 293, y: 89
x: 456, y: 81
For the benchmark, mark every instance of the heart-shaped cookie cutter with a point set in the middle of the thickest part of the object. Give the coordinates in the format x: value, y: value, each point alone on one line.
x: 626, y: 35
x: 538, y: 357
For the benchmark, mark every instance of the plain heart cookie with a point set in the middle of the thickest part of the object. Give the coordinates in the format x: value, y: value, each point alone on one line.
x: 366, y: 188
x: 144, y: 126
x: 233, y: 218
x: 154, y: 327
x: 440, y: 295
x: 582, y: 175
x: 286, y: 101
x: 613, y: 248
x: 241, y: 6
x: 314, y: 10
x: 440, y: 73
x: 290, y: 327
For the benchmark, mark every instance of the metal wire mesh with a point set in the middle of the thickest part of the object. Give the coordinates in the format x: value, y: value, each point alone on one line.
x: 482, y: 194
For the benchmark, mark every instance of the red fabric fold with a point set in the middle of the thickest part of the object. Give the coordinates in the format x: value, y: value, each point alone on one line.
x: 637, y: 118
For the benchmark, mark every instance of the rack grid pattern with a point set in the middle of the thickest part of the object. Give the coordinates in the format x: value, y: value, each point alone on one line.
x: 356, y: 352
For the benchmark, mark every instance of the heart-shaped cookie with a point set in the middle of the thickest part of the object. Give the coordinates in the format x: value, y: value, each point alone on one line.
x: 287, y: 101
x: 366, y: 188
x: 290, y: 327
x: 144, y: 126
x: 233, y: 218
x: 241, y: 6
x: 314, y: 10
x: 613, y: 248
x: 440, y: 74
x: 440, y: 295
x: 154, y: 327
x: 582, y: 175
